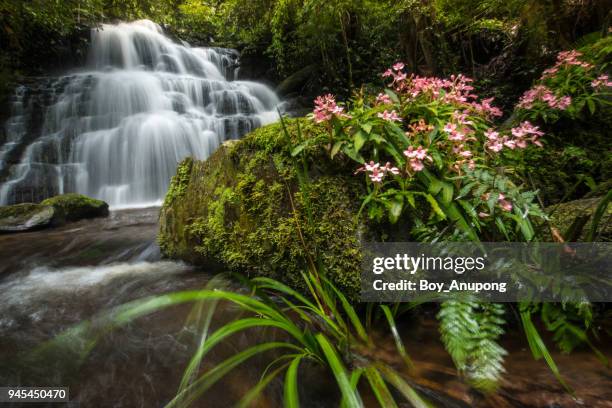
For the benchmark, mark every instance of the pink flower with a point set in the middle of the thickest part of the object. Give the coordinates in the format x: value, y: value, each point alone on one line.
x: 509, y: 143
x: 450, y: 128
x: 371, y: 166
x: 465, y: 153
x: 389, y: 116
x: 601, y: 82
x: 491, y: 135
x: 483, y: 214
x: 377, y: 175
x: 505, y: 205
x: 383, y: 99
x: 391, y: 169
x: 419, y: 153
x: 461, y: 118
x: 564, y: 102
x: 376, y: 172
x: 326, y: 108
x: 416, y: 165
x: 487, y: 108
x: 496, y: 146
x: 544, y: 94
x: 398, y: 66
x: 456, y: 137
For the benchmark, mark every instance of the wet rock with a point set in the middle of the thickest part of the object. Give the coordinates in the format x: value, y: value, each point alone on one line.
x: 574, y: 218
x: 74, y: 207
x: 25, y: 217
x: 52, y: 212
x: 243, y: 210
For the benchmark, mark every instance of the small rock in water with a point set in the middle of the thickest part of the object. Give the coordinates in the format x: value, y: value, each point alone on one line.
x: 53, y: 211
x: 25, y: 217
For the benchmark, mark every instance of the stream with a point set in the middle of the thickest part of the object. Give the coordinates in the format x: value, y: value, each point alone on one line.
x: 54, y: 279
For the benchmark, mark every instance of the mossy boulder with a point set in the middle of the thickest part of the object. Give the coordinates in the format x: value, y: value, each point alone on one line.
x: 51, y: 212
x: 574, y: 218
x: 244, y: 210
x: 25, y: 217
x: 74, y: 207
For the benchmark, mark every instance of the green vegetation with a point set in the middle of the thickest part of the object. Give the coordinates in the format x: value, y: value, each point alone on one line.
x: 73, y: 207
x: 241, y: 209
x: 414, y: 155
x: 53, y: 211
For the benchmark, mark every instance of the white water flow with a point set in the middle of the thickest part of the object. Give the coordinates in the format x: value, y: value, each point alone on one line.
x: 117, y: 131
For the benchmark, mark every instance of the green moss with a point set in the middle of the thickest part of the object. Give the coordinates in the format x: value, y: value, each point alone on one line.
x: 580, y: 211
x: 243, y: 210
x: 73, y: 207
x: 18, y: 210
x: 179, y: 181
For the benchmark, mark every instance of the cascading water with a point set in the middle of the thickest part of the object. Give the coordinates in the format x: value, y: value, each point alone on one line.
x: 117, y: 131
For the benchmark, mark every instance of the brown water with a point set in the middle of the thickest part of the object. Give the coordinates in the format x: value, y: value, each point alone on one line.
x: 51, y: 280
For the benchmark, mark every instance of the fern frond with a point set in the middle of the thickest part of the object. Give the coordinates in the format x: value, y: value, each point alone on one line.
x: 470, y: 330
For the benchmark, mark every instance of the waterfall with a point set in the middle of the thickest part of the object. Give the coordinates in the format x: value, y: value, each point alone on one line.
x: 116, y: 130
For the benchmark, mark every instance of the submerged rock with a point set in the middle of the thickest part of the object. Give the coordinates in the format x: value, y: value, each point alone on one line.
x: 243, y: 210
x: 25, y: 217
x: 53, y: 211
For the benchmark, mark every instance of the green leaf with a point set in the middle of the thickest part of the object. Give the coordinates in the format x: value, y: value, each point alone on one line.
x: 598, y: 215
x: 399, y: 344
x: 367, y: 127
x: 350, y: 152
x: 402, y: 386
x: 212, y: 376
x: 291, y: 396
x: 360, y: 139
x: 539, y: 349
x: 250, y: 397
x: 392, y: 95
x: 298, y: 149
x: 591, y: 105
x: 336, y: 148
x: 350, y: 312
x: 395, y: 209
x: 378, y: 386
x: 335, y: 364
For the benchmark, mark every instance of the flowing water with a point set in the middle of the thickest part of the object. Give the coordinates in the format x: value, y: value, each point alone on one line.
x: 116, y: 130
x: 52, y: 280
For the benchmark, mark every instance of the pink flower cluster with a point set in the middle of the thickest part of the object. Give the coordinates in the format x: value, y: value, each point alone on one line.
x: 544, y: 94
x: 521, y: 135
x: 326, y: 108
x: 419, y: 127
x: 417, y: 157
x: 396, y: 72
x: 390, y: 116
x: 566, y: 58
x: 376, y: 171
x: 455, y: 90
x: 505, y: 204
x: 601, y: 82
x: 383, y: 99
x: 486, y: 108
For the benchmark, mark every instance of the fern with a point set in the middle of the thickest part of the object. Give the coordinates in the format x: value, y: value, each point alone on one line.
x: 470, y: 330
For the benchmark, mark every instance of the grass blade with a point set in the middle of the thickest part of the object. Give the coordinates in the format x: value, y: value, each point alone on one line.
x: 402, y: 386
x: 335, y: 364
x: 539, y: 349
x: 292, y: 399
x: 378, y: 386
